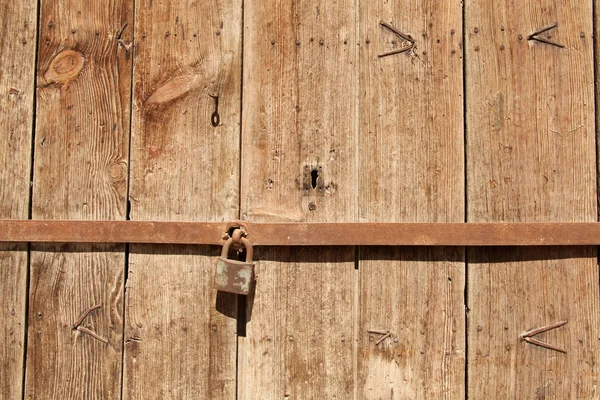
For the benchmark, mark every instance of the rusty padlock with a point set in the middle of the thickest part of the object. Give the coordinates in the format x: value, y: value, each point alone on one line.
x: 235, y: 276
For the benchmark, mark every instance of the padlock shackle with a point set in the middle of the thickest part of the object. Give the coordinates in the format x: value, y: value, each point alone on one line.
x: 247, y: 245
x: 249, y: 250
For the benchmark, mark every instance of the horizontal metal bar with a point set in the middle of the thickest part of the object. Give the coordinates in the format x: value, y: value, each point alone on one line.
x: 306, y: 234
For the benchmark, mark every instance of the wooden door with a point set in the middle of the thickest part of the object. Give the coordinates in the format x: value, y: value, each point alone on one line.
x: 298, y: 111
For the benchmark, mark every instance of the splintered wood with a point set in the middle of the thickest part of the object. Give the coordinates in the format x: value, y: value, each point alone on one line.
x: 531, y: 157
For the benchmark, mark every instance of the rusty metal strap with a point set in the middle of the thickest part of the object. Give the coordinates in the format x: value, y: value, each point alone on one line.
x: 305, y: 234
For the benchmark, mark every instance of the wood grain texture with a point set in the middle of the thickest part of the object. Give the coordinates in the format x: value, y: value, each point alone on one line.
x: 180, y: 338
x: 299, y: 161
x: 18, y: 22
x: 300, y: 333
x: 531, y: 157
x: 80, y: 172
x: 411, y: 157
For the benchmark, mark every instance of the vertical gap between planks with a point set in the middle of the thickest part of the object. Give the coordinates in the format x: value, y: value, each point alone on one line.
x: 30, y: 199
x: 127, y: 200
x: 597, y: 121
x: 125, y: 275
x: 356, y: 319
x: 465, y: 192
x: 466, y: 301
x: 26, y: 321
x: 34, y: 111
x: 241, y: 304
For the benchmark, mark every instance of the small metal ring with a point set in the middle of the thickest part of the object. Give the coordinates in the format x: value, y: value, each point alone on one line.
x: 215, y: 119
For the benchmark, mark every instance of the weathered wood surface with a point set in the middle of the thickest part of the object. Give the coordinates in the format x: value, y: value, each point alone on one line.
x: 180, y: 337
x: 80, y: 172
x: 531, y: 157
x: 331, y: 132
x: 18, y: 22
x: 299, y: 164
x: 411, y: 158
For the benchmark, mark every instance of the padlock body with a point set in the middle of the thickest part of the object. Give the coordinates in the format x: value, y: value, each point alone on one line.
x: 234, y: 276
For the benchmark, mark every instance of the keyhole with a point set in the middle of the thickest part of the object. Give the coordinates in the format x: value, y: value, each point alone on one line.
x: 314, y: 174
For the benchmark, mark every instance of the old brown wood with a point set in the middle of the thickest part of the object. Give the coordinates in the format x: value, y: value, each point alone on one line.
x: 79, y: 172
x: 299, y: 164
x: 180, y: 339
x: 330, y: 132
x: 306, y: 234
x: 530, y: 158
x: 411, y: 170
x: 18, y: 27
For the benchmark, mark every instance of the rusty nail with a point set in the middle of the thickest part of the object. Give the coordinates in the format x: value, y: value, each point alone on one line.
x: 389, y: 53
x: 92, y: 334
x: 397, y: 32
x: 542, y: 40
x: 534, y: 332
x: 120, y: 32
x: 527, y: 336
x: 85, y: 314
x: 534, y: 36
x: 544, y: 344
x: 387, y: 335
x: 542, y: 30
x: 377, y: 331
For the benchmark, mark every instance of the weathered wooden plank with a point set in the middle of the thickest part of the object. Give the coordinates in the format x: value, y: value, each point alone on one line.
x: 80, y: 172
x: 299, y: 164
x: 18, y: 25
x: 531, y: 157
x: 411, y: 151
x: 300, y: 330
x: 180, y: 338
